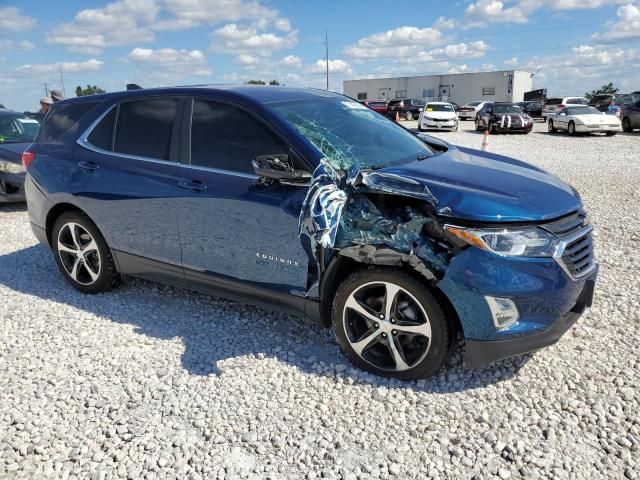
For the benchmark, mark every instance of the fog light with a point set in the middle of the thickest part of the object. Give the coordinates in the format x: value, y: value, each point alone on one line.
x: 504, y: 312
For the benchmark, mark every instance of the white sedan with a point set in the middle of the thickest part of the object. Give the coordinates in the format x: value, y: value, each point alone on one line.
x: 584, y: 119
x: 438, y: 116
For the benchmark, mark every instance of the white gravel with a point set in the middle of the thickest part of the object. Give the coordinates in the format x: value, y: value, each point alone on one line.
x: 152, y: 382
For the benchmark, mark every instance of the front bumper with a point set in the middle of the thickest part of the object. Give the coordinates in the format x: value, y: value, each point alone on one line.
x: 547, y: 298
x: 582, y: 128
x: 12, y: 187
x: 439, y: 124
x: 481, y: 352
x: 525, y: 129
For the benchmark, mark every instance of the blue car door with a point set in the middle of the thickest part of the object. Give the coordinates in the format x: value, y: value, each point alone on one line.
x: 127, y: 177
x: 232, y: 226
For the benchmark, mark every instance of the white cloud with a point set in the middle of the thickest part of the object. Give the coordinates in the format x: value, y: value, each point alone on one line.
x: 335, y: 66
x: 512, y: 62
x: 27, y: 45
x: 488, y: 66
x: 247, y: 60
x: 195, y: 12
x: 481, y: 12
x: 10, y: 45
x: 92, y: 65
x: 191, y: 62
x: 118, y: 23
x: 238, y: 39
x: 291, y: 61
x: 401, y: 41
x: 627, y: 26
x: 11, y: 20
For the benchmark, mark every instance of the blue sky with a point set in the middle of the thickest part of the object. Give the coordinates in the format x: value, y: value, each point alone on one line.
x: 580, y: 44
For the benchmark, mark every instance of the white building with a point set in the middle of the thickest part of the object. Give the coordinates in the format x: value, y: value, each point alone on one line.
x: 502, y: 86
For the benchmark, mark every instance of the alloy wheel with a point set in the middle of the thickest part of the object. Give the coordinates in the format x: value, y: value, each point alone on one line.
x: 79, y: 253
x: 386, y: 326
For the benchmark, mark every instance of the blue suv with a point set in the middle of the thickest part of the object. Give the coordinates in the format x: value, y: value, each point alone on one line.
x: 310, y: 202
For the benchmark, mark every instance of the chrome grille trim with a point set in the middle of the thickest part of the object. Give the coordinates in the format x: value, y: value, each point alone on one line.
x: 574, y: 254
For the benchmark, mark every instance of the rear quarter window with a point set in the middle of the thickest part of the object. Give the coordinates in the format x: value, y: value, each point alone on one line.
x: 62, y: 118
x: 554, y: 101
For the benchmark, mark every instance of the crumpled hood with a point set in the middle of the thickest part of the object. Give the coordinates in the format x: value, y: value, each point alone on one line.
x: 474, y: 185
x: 12, y: 152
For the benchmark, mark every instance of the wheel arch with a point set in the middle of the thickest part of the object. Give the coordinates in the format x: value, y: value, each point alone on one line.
x: 341, y: 267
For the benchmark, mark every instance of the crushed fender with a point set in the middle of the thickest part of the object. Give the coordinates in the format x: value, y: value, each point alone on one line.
x: 371, y: 217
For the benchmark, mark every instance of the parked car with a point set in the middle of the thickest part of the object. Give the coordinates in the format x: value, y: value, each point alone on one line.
x: 469, y: 110
x: 455, y: 106
x: 307, y: 201
x: 584, y: 119
x: 379, y: 106
x: 407, y: 108
x: 630, y: 117
x: 604, y: 102
x: 502, y: 117
x: 554, y: 105
x: 17, y: 131
x: 438, y: 116
x: 531, y: 108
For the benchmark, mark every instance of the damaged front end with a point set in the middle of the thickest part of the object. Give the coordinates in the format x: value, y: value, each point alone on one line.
x: 372, y: 218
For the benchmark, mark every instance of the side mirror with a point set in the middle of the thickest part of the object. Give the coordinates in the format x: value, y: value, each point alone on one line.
x: 278, y: 167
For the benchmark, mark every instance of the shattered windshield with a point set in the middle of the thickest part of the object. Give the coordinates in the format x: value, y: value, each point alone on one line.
x: 350, y: 134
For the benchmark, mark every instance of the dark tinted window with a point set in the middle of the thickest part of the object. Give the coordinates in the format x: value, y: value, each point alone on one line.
x: 144, y: 127
x: 554, y: 101
x: 228, y: 138
x: 102, y: 133
x: 61, y: 118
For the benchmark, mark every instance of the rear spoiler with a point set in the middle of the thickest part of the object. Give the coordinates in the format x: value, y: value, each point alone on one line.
x: 133, y: 86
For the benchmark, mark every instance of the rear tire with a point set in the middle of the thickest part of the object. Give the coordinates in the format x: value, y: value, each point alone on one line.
x: 626, y: 125
x: 81, y: 253
x: 409, y: 339
x: 572, y: 128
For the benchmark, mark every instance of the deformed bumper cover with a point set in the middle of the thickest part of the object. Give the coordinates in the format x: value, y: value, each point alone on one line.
x: 481, y: 352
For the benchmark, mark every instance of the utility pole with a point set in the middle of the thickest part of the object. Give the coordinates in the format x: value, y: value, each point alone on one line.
x: 326, y: 45
x: 46, y: 89
x: 64, y: 92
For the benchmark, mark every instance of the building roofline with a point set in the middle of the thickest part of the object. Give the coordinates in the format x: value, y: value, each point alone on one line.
x: 438, y: 75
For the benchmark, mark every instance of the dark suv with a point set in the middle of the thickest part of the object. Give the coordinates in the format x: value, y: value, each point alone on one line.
x: 310, y: 202
x: 604, y: 101
x: 406, y: 108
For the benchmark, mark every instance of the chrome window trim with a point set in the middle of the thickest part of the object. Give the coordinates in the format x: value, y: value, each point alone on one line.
x: 564, y: 242
x: 84, y: 142
x: 219, y: 170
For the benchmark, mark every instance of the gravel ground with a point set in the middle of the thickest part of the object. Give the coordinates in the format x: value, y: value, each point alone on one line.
x: 152, y: 382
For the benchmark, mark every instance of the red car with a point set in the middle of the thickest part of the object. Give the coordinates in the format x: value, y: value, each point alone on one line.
x: 379, y: 106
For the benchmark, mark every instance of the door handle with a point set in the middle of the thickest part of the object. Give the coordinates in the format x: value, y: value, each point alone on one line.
x: 195, y: 186
x: 89, y: 166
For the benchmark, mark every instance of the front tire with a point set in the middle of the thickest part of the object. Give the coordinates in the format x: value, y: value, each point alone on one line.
x: 551, y: 128
x: 389, y: 324
x: 408, y: 116
x: 82, y: 255
x: 626, y: 125
x: 611, y: 134
x: 572, y: 129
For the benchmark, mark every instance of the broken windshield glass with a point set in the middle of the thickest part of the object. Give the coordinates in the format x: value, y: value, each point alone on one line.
x: 348, y: 134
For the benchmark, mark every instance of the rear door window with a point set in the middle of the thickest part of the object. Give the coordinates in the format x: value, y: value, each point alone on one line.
x: 228, y: 138
x: 144, y: 127
x: 62, y: 118
x: 102, y: 134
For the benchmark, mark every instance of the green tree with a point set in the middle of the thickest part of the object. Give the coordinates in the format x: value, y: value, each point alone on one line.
x: 255, y: 82
x: 274, y: 82
x: 608, y: 88
x: 90, y: 90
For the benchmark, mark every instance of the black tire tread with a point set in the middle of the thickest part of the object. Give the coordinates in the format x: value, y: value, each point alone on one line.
x: 439, y: 350
x: 109, y: 276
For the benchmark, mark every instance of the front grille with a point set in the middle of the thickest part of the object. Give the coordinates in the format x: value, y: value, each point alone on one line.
x: 577, y: 257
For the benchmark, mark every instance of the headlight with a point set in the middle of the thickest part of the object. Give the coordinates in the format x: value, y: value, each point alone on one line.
x: 11, y: 167
x: 524, y: 242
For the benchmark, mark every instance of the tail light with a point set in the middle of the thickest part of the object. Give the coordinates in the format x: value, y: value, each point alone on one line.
x: 27, y: 158
x: 562, y: 105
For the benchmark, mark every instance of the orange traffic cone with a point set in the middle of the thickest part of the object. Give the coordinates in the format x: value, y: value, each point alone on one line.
x: 397, y: 117
x: 485, y: 141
